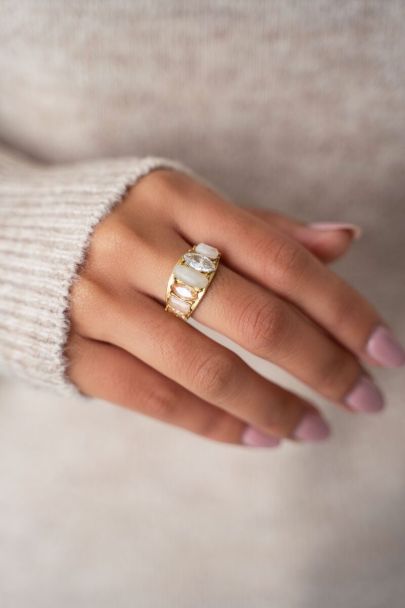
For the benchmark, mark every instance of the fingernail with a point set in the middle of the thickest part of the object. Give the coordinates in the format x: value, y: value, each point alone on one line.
x: 312, y: 428
x: 353, y: 228
x: 365, y: 396
x: 256, y: 439
x: 385, y: 348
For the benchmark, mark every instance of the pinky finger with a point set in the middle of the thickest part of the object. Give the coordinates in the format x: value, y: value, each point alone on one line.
x: 108, y: 372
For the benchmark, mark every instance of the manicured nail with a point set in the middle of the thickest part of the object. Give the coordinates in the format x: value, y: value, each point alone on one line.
x: 365, y: 396
x: 385, y: 348
x: 312, y: 428
x: 256, y: 439
x: 353, y: 228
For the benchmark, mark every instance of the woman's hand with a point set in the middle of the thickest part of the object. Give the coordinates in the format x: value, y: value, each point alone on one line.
x: 273, y: 294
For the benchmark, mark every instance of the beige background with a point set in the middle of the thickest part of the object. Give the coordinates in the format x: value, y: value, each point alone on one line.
x: 298, y: 106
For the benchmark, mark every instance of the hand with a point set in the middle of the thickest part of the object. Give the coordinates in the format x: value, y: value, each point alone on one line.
x: 273, y: 294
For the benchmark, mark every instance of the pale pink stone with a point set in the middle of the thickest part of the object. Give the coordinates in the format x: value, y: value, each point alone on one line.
x: 184, y: 291
x: 179, y: 305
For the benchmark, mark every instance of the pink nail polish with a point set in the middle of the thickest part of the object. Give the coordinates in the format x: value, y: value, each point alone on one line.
x: 328, y: 226
x: 365, y: 396
x: 385, y: 348
x: 312, y: 428
x: 256, y: 439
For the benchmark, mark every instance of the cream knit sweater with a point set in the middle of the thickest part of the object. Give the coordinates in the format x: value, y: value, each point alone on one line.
x: 47, y: 215
x: 289, y: 103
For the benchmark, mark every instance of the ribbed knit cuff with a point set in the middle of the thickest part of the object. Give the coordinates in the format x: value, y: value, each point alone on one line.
x: 47, y: 216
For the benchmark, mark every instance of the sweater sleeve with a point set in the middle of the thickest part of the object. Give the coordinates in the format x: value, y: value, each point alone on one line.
x: 47, y: 216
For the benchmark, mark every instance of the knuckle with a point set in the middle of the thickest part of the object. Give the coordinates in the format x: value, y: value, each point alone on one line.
x: 155, y: 188
x: 214, y: 375
x: 110, y: 244
x: 286, y: 255
x: 264, y: 325
x: 287, y: 258
x: 159, y: 178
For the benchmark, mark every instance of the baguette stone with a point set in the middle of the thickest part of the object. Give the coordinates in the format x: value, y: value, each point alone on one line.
x: 190, y: 276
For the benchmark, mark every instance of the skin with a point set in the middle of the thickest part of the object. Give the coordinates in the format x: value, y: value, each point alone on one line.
x: 273, y: 294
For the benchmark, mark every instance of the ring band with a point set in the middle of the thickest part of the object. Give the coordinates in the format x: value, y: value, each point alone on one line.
x: 190, y: 279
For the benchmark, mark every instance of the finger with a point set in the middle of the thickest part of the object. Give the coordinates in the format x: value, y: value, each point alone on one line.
x: 278, y: 262
x: 177, y: 350
x: 327, y: 241
x: 106, y: 371
x: 269, y: 327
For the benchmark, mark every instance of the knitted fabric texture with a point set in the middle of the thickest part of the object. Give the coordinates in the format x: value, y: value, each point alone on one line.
x: 47, y: 216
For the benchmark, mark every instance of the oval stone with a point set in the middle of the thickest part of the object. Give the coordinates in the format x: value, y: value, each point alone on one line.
x: 184, y: 291
x: 199, y: 262
x: 179, y: 305
x: 190, y: 276
x: 208, y: 250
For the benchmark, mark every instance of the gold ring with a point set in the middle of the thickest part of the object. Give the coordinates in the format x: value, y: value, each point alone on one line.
x: 190, y: 279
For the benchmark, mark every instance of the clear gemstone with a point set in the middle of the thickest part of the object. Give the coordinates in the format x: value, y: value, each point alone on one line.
x: 210, y: 252
x: 179, y: 305
x: 184, y: 291
x: 190, y: 276
x: 199, y: 262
